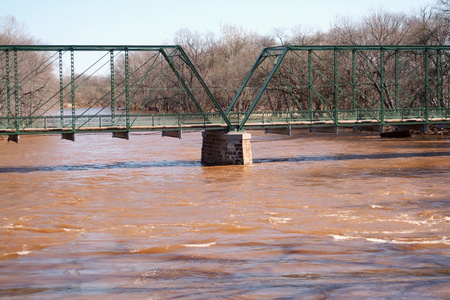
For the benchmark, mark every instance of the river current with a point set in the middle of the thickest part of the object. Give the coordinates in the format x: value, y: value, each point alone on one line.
x: 316, y: 216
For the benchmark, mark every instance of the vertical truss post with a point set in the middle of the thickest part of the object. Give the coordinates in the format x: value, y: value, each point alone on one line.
x: 161, y: 57
x: 8, y: 89
x: 382, y: 87
x: 427, y: 86
x: 438, y: 75
x: 72, y: 86
x: 127, y: 90
x: 289, y: 116
x: 61, y: 89
x: 113, y: 105
x: 336, y: 87
x: 396, y: 80
x: 354, y: 79
x: 310, y: 85
x: 16, y: 91
x: 179, y: 103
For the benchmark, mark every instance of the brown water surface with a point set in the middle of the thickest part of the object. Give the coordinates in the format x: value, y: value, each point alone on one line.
x: 317, y: 216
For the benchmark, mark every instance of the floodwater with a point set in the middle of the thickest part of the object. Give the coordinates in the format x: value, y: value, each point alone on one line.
x: 317, y: 216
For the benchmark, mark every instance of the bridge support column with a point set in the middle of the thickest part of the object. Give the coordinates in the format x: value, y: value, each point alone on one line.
x: 68, y: 136
x: 226, y: 148
x: 121, y: 135
x: 13, y: 138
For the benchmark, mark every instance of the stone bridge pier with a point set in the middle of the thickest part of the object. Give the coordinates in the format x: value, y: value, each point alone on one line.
x: 226, y: 148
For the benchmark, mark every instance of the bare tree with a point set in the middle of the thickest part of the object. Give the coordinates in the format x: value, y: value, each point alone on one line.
x: 12, y: 32
x: 281, y: 34
x: 377, y: 28
x: 429, y: 27
x: 305, y: 35
x: 443, y: 8
x: 31, y: 86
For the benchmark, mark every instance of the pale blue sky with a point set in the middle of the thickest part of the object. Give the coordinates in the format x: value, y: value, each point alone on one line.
x: 152, y: 22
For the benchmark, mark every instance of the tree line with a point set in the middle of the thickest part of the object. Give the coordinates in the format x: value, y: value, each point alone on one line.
x: 224, y: 62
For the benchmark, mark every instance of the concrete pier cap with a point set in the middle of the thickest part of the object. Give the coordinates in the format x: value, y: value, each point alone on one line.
x: 226, y: 148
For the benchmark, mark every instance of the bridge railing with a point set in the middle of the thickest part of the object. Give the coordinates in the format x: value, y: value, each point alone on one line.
x: 103, y: 122
x: 33, y: 124
x: 343, y: 117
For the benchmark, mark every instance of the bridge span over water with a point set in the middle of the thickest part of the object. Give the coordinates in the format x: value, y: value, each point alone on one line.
x: 120, y: 89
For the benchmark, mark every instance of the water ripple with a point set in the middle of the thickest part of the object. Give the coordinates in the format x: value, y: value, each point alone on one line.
x: 350, y: 157
x: 116, y: 165
x: 194, y: 163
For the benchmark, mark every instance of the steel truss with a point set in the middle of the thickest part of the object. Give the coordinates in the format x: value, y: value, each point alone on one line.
x: 41, y: 88
x: 345, y: 85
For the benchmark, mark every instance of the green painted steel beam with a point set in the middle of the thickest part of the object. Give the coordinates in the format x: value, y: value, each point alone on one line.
x: 438, y: 78
x: 263, y: 88
x: 127, y: 90
x: 188, y: 62
x: 61, y: 87
x: 382, y: 86
x: 366, y: 47
x: 72, y: 87
x: 258, y: 62
x: 310, y: 81
x: 336, y: 86
x: 379, y: 77
x: 322, y: 69
x: 86, y: 47
x: 427, y: 84
x: 171, y: 63
x: 16, y: 92
x: 8, y: 88
x: 268, y: 51
x: 113, y: 85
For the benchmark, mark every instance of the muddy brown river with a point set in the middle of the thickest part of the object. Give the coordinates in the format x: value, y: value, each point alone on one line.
x: 317, y: 216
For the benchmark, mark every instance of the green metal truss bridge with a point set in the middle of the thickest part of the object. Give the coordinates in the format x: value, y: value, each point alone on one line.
x: 120, y: 89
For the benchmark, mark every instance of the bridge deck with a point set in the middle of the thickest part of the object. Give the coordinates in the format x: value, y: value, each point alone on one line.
x: 220, y: 126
